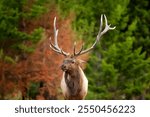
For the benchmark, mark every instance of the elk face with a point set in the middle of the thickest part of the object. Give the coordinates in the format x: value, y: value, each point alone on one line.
x: 69, y: 65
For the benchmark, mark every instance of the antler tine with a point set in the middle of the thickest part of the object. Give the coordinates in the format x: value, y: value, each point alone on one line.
x: 55, y: 33
x: 107, y: 27
x: 55, y: 46
x: 74, y: 48
x: 100, y: 33
x: 81, y: 49
x: 101, y: 24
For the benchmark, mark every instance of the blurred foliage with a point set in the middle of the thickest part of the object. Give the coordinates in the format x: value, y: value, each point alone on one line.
x: 33, y: 89
x: 4, y: 58
x: 13, y: 15
x: 18, y: 38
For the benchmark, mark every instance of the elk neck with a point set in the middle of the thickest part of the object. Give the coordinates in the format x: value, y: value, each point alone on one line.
x: 73, y: 81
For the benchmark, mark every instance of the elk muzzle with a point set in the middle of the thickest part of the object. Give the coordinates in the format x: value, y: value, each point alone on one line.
x: 64, y: 67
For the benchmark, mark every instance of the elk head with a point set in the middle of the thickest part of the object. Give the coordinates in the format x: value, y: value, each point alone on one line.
x: 74, y: 83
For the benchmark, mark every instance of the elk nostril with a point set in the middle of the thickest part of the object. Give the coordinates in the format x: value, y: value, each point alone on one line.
x: 63, y: 67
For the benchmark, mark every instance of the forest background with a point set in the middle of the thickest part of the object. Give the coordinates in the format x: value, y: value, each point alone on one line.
x: 118, y: 68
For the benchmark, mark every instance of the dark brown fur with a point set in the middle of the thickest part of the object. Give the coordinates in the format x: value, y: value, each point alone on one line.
x: 73, y: 83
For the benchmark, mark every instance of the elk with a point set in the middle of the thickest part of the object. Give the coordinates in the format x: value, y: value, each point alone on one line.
x: 74, y: 83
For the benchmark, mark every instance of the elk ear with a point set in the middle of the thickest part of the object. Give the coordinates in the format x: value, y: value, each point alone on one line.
x: 81, y: 63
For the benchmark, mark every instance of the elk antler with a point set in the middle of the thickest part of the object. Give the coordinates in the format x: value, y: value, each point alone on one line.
x: 55, y: 46
x: 100, y: 33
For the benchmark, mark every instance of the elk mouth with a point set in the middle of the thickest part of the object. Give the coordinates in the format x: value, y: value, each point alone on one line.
x: 64, y: 69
